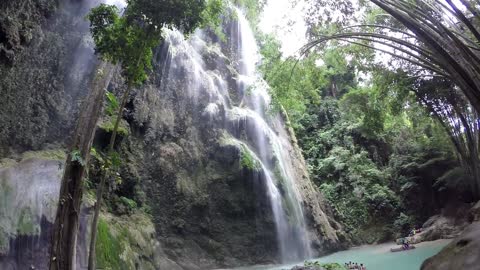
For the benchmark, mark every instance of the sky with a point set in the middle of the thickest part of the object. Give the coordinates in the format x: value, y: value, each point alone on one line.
x: 118, y: 3
x: 282, y: 19
x: 286, y: 22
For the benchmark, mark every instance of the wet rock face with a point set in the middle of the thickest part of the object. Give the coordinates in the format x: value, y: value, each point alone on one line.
x: 207, y: 209
x: 474, y: 213
x: 463, y: 253
x: 27, y: 251
x: 19, y: 21
x: 46, y: 62
x: 28, y: 198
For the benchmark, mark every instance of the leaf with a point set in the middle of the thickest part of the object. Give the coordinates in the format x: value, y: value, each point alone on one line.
x: 112, y: 104
x: 77, y: 157
x: 96, y: 155
x: 115, y: 159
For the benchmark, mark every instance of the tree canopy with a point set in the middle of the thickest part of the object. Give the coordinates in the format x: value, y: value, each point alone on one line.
x: 383, y: 139
x: 434, y: 45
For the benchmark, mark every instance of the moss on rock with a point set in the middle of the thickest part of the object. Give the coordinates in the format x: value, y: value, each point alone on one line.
x: 108, y: 123
x: 26, y: 224
x: 54, y: 154
x: 108, y: 248
x: 7, y: 162
x: 126, y: 242
x: 4, y: 244
x: 248, y: 161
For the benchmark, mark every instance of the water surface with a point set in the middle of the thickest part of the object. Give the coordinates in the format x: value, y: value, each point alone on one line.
x: 377, y: 257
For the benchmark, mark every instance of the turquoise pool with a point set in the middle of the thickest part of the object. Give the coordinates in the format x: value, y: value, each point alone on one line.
x: 376, y: 257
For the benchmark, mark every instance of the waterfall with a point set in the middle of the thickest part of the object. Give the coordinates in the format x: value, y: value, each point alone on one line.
x: 243, y: 114
x: 293, y: 240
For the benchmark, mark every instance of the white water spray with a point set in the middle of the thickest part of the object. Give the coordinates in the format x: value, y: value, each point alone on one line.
x: 250, y: 127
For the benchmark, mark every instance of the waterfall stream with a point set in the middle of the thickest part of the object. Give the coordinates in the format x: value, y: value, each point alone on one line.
x: 220, y: 77
x: 251, y: 127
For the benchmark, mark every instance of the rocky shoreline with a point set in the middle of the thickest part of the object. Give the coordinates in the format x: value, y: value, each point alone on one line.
x: 464, y: 251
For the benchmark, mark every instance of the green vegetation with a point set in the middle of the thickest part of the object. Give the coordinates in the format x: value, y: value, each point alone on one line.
x: 326, y: 266
x: 435, y: 55
x: 53, y: 154
x: 122, y: 240
x: 247, y: 160
x: 131, y: 204
x: 252, y: 9
x: 376, y: 153
x: 7, y: 162
x: 108, y: 125
x: 76, y: 156
x: 383, y: 143
x: 108, y: 247
x: 26, y: 224
x: 57, y: 154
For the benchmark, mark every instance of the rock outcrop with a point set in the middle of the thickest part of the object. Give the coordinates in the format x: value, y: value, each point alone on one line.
x: 448, y: 224
x: 46, y: 62
x: 474, y: 213
x: 463, y: 253
x: 185, y: 196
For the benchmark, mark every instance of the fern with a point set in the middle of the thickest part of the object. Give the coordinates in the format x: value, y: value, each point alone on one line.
x: 77, y: 157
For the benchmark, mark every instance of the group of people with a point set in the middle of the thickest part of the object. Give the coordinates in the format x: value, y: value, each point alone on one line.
x: 351, y: 265
x: 405, y: 244
x: 415, y: 231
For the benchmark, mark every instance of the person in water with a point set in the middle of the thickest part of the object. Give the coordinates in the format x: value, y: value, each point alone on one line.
x: 406, y: 245
x: 350, y: 265
x: 362, y: 267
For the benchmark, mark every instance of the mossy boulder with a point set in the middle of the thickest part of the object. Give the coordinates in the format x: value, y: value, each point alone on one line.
x: 128, y: 242
x: 107, y: 124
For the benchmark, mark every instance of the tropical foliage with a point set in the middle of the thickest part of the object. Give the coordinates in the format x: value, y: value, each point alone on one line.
x: 374, y: 151
x: 432, y: 41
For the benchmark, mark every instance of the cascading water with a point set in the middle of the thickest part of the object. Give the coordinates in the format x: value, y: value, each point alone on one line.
x: 202, y: 112
x: 249, y: 127
x: 293, y: 238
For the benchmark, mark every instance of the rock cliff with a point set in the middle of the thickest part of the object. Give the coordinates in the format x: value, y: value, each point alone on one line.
x: 190, y: 193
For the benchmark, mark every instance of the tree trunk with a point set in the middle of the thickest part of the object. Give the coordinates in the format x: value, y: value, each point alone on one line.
x: 101, y: 187
x: 475, y: 171
x: 63, y: 248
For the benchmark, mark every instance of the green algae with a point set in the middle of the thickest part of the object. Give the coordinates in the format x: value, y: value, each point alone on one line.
x: 107, y: 247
